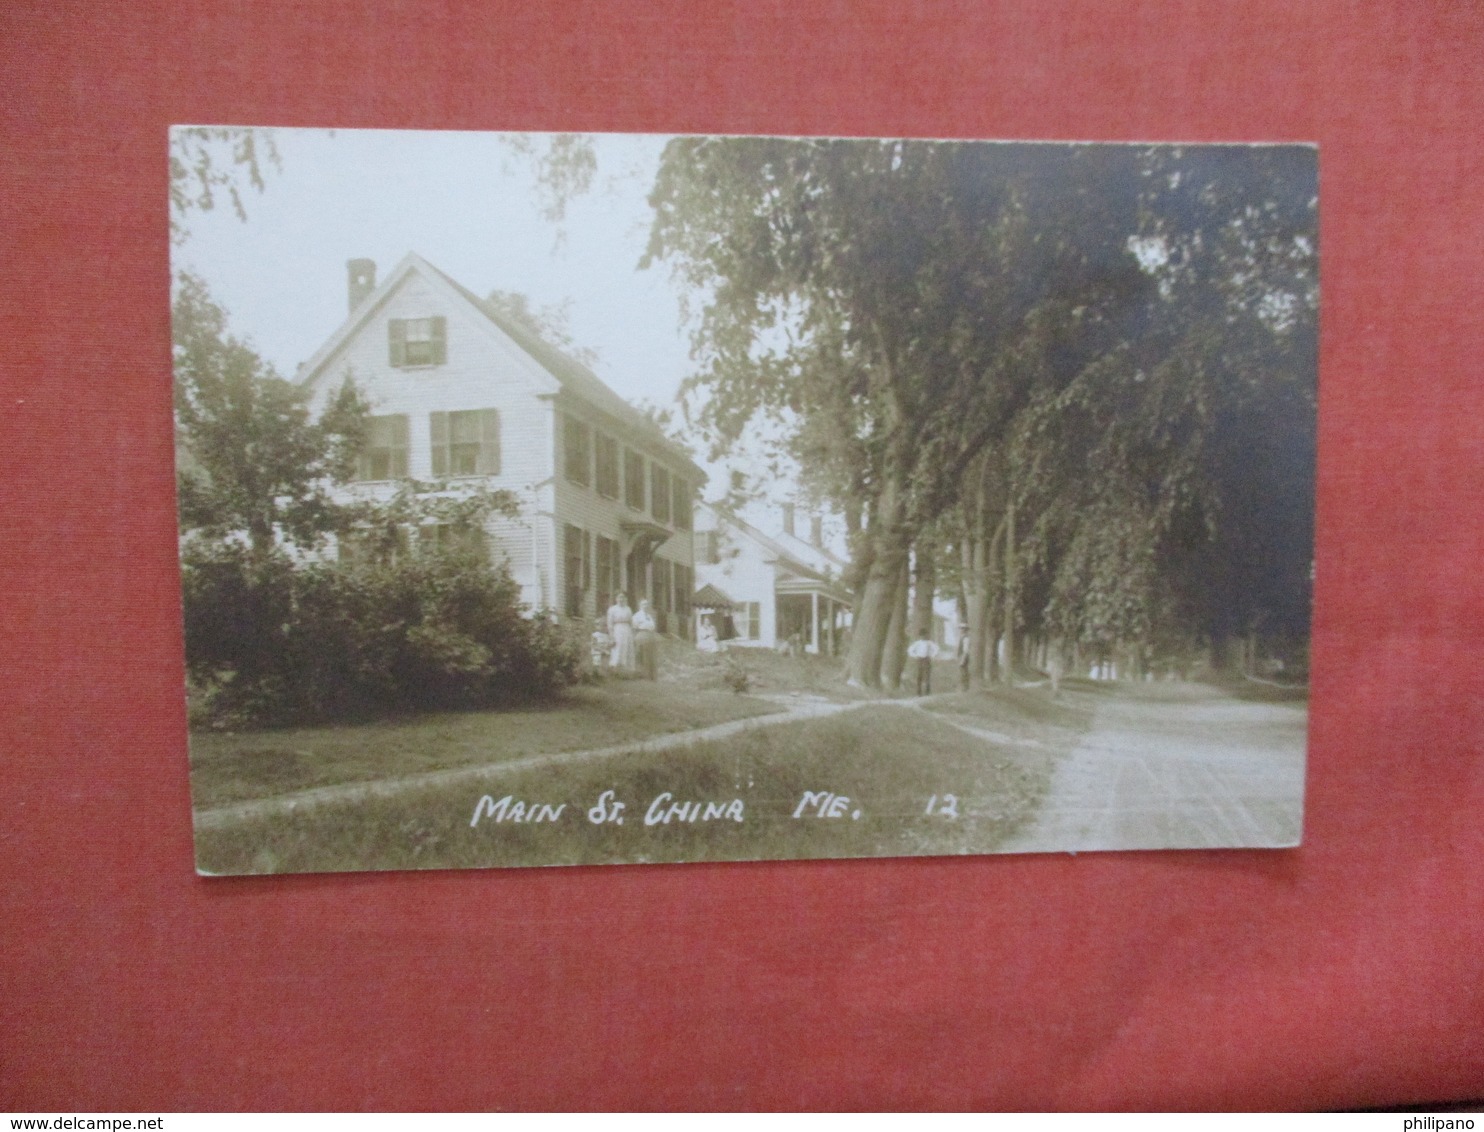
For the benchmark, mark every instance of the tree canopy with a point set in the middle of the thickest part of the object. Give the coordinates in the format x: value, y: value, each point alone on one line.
x: 1100, y: 337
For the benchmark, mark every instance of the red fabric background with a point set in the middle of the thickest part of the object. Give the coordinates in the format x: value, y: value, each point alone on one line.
x: 1346, y: 973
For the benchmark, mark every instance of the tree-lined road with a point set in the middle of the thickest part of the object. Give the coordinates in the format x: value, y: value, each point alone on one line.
x: 1176, y: 767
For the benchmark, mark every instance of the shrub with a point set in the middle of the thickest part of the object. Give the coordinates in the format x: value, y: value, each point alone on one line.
x: 736, y: 677
x: 272, y: 642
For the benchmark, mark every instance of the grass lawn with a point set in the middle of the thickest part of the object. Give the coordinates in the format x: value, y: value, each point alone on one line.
x: 1263, y: 693
x: 1025, y: 714
x: 232, y: 767
x: 768, y: 673
x: 894, y: 765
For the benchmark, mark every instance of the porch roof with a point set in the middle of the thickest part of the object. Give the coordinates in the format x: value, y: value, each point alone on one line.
x: 797, y: 584
x: 709, y: 597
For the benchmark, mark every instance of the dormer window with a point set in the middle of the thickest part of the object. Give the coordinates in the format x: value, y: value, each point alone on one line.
x: 417, y: 341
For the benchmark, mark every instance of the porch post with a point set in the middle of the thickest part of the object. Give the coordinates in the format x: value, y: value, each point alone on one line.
x: 814, y: 622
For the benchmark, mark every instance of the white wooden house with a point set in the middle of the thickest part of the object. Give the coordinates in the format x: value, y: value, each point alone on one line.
x: 777, y: 588
x: 461, y: 392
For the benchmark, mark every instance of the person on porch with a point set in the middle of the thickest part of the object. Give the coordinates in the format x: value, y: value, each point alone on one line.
x: 706, y: 636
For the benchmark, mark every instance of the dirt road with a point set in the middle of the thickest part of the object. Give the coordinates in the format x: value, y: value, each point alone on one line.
x: 1176, y: 766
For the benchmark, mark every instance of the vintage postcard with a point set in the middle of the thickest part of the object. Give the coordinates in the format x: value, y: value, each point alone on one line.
x: 586, y: 499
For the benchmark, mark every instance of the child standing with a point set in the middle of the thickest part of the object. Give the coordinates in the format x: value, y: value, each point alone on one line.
x: 602, y: 650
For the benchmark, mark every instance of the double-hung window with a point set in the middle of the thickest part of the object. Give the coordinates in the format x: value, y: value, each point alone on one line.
x: 453, y: 538
x: 754, y: 620
x: 417, y: 341
x: 577, y: 441
x: 466, y: 443
x: 384, y: 455
x: 606, y: 451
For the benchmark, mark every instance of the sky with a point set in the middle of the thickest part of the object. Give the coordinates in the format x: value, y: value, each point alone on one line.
x: 468, y: 205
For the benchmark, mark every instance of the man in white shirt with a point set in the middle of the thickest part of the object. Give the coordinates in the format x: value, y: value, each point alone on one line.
x: 923, y: 650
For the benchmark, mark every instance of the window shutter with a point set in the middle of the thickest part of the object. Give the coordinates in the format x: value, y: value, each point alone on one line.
x: 396, y: 336
x: 399, y: 446
x: 489, y: 442
x: 659, y: 493
x: 440, y: 339
x: 438, y: 433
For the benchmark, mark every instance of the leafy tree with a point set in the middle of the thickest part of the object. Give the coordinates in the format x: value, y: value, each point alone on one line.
x: 252, y: 456
x: 1169, y: 474
x: 550, y: 324
x: 1056, y: 334
x: 210, y: 161
x: 885, y: 294
x: 563, y: 168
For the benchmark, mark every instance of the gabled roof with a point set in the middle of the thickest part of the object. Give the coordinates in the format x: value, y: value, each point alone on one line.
x: 793, y: 542
x: 781, y: 554
x: 574, y: 377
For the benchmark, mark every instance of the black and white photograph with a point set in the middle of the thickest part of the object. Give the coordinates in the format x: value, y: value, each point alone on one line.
x: 563, y: 499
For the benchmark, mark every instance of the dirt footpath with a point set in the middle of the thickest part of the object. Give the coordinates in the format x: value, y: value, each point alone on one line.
x: 1176, y: 766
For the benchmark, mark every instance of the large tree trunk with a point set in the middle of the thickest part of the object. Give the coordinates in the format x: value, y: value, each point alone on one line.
x: 989, y: 665
x: 924, y: 589
x: 1010, y: 596
x: 888, y: 542
x: 861, y: 551
x: 894, y: 652
x: 977, y: 554
x: 970, y: 556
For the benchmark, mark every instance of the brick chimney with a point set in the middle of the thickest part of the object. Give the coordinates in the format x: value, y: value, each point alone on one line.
x: 788, y: 519
x: 362, y: 280
x: 816, y: 530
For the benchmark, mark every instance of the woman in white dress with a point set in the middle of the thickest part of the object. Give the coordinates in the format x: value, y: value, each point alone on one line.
x: 621, y: 629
